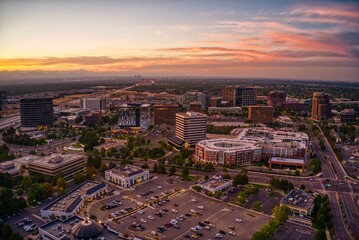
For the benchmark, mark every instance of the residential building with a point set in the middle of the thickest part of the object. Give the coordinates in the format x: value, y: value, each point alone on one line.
x: 191, y: 127
x: 73, y: 201
x: 245, y: 96
x: 36, y: 112
x: 321, y: 108
x: 293, y: 105
x: 230, y: 152
x: 66, y: 165
x: 134, y: 115
x: 127, y: 175
x: 165, y: 113
x: 94, y: 104
x: 228, y: 93
x: 261, y: 114
x: 276, y: 98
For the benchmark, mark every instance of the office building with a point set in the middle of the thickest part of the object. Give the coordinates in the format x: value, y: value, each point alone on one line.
x: 299, y: 201
x: 127, y: 175
x: 93, y: 118
x: 276, y: 98
x: 191, y: 127
x: 36, y: 112
x: 215, y: 101
x: 291, y: 163
x: 134, y: 115
x: 94, y: 104
x: 66, y: 165
x: 165, y: 113
x: 230, y: 152
x: 293, y: 105
x: 203, y: 99
x: 195, y: 106
x: 321, y: 108
x: 73, y: 201
x: 347, y: 115
x: 245, y: 96
x: 12, y: 168
x: 261, y: 114
x: 225, y: 110
x: 228, y: 93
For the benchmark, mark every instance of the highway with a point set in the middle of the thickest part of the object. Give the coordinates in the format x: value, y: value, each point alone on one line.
x: 6, y: 122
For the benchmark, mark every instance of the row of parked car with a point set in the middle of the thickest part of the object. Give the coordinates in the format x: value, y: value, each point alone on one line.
x: 27, y: 225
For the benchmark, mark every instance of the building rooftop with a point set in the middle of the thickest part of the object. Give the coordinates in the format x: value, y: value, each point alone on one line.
x: 69, y: 201
x: 299, y: 198
x: 286, y: 160
x: 191, y: 114
x: 226, y: 144
x: 127, y: 170
x: 215, y: 182
x: 55, y: 160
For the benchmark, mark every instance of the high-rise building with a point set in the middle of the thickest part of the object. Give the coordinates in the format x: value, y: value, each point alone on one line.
x: 36, y: 112
x: 134, y: 115
x: 245, y: 96
x: 165, y: 113
x: 228, y: 93
x: 94, y: 104
x: 260, y: 114
x: 347, y: 115
x: 276, y: 98
x: 191, y: 127
x: 203, y: 99
x: 321, y: 109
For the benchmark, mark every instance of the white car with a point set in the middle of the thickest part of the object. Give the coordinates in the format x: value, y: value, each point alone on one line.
x: 194, y: 200
x: 200, y: 207
x: 159, y: 186
x: 141, y: 212
x: 238, y: 220
x: 151, y: 217
x: 194, y: 229
x: 193, y: 211
x: 232, y: 233
x: 143, y: 220
x: 174, y: 210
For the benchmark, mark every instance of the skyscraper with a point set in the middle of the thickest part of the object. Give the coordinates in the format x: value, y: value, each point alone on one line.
x: 165, y: 113
x: 36, y: 112
x: 321, y: 108
x: 191, y: 127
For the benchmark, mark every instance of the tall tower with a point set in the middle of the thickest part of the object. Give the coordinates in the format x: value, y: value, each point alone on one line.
x: 321, y: 108
x: 191, y: 127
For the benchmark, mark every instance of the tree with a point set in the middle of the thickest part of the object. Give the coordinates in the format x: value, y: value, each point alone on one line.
x: 16, y: 236
x: 241, y: 199
x: 226, y: 176
x: 155, y: 168
x: 240, y: 179
x: 302, y: 187
x: 257, y: 205
x: 172, y: 170
x: 61, y: 185
x: 281, y: 213
x: 218, y: 194
x: 144, y: 166
x: 320, y: 235
x: 103, y: 167
x: 6, y: 231
x: 185, y: 172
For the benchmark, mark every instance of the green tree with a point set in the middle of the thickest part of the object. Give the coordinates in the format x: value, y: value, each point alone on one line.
x: 61, y: 185
x: 240, y: 179
x: 218, y: 194
x: 16, y: 236
x: 185, y: 172
x: 155, y: 168
x: 6, y: 231
x: 281, y: 213
x: 172, y: 170
x: 257, y: 205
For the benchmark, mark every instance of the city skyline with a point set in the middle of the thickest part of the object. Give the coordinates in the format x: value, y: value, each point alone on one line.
x: 279, y: 39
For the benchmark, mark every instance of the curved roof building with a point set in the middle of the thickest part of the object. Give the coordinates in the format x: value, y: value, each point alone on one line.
x: 228, y: 151
x: 87, y: 229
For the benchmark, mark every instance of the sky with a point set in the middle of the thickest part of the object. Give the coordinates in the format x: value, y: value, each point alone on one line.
x: 280, y: 39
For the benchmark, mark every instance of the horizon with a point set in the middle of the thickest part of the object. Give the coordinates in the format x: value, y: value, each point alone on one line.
x: 299, y: 40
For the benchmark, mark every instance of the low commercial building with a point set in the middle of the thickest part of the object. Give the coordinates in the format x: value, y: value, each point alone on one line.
x: 93, y: 118
x: 347, y: 115
x: 231, y: 152
x: 291, y: 163
x: 127, y: 175
x: 72, y: 202
x: 215, y: 183
x: 11, y: 168
x: 224, y: 110
x: 66, y: 165
x: 299, y: 201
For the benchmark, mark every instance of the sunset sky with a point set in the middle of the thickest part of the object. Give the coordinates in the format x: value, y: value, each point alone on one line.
x: 285, y: 39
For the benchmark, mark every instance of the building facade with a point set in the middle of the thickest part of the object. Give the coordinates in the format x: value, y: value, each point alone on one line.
x: 127, y: 175
x: 134, y: 115
x: 347, y: 115
x: 230, y: 152
x: 321, y: 108
x: 228, y: 93
x: 165, y: 113
x: 191, y: 127
x: 276, y: 98
x: 94, y: 104
x: 245, y: 96
x: 261, y: 114
x: 36, y: 112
